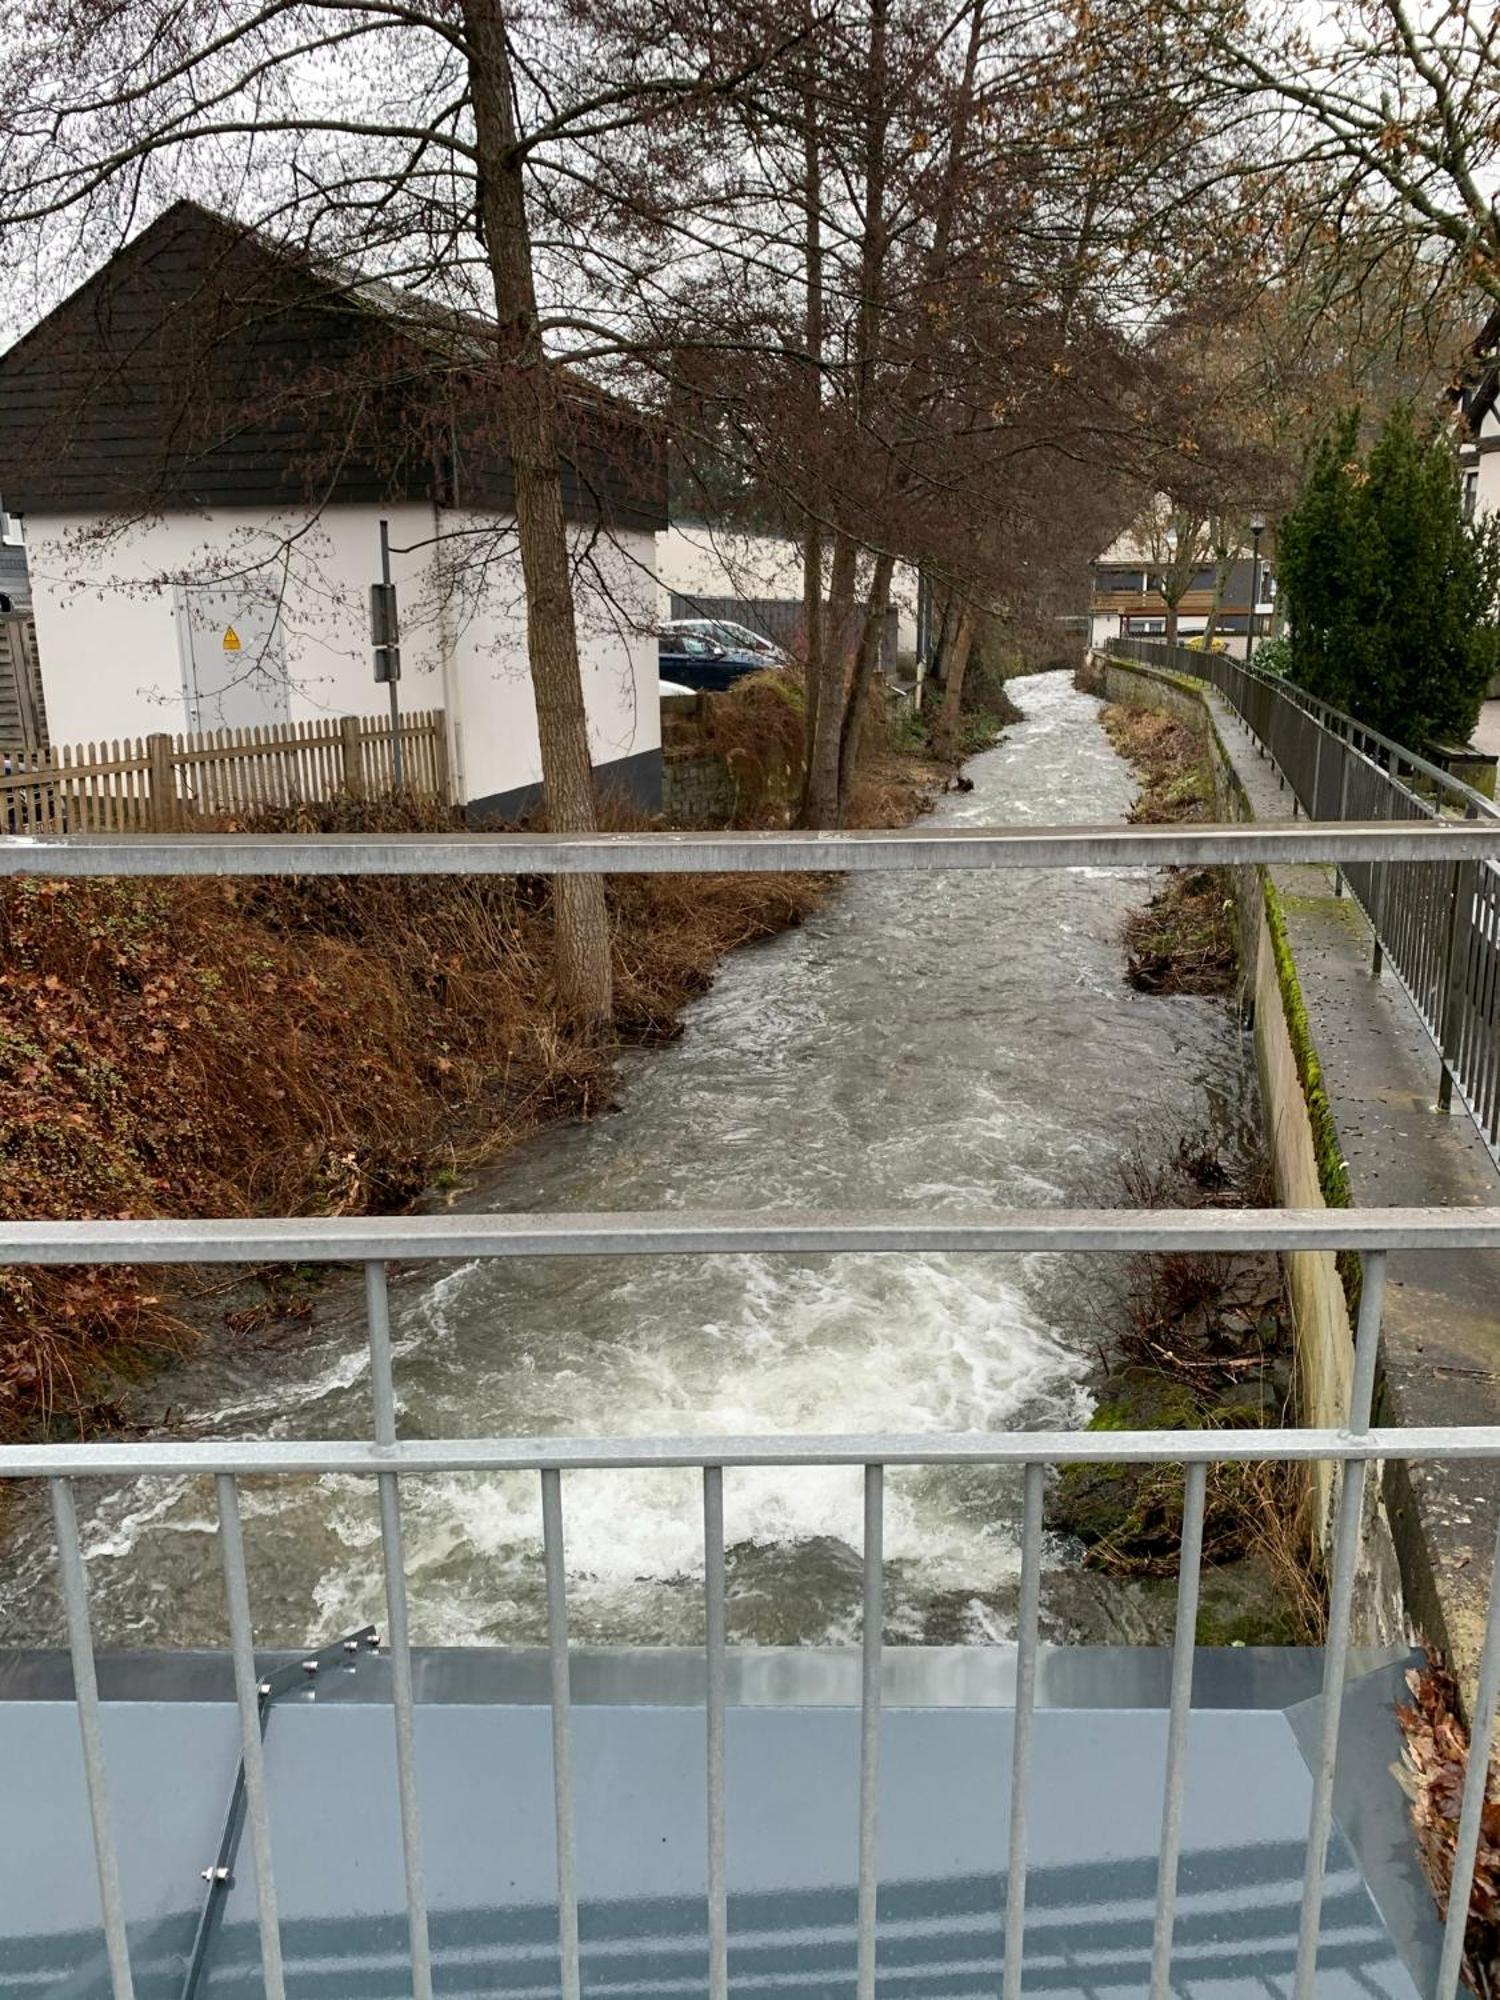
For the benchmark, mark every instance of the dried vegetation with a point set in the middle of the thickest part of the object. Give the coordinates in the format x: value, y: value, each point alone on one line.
x: 313, y: 1046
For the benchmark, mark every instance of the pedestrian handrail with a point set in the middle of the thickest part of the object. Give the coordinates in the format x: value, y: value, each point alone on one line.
x: 386, y: 1457
x: 1437, y: 926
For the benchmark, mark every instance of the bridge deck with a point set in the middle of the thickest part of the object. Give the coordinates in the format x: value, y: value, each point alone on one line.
x: 793, y: 1759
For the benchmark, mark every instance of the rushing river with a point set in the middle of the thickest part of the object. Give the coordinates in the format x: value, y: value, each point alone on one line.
x: 939, y: 1040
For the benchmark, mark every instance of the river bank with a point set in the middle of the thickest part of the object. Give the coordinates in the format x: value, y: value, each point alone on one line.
x: 318, y: 1047
x: 1196, y: 1342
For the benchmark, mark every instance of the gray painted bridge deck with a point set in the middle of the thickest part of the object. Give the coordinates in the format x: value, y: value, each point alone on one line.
x: 793, y: 1764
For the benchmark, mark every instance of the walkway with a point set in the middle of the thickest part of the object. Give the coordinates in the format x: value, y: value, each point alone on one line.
x: 1441, y: 1356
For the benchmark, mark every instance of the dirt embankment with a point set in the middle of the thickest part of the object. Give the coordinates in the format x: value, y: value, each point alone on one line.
x: 337, y: 1046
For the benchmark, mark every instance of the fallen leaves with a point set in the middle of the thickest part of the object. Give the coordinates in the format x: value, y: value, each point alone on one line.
x: 1434, y: 1763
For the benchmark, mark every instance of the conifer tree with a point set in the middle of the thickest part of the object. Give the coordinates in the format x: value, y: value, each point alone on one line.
x: 1391, y: 595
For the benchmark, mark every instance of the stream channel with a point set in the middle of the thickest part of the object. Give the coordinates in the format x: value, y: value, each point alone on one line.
x: 923, y: 1040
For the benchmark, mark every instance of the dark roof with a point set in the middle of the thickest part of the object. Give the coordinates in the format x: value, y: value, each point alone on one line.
x: 15, y: 584
x: 207, y: 365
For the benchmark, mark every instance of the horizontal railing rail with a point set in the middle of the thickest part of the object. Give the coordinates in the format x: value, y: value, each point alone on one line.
x: 390, y: 1460
x: 1438, y: 926
x: 926, y: 849
x: 339, y: 1239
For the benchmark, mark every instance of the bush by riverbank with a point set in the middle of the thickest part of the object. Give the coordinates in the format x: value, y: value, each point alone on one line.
x: 322, y: 1046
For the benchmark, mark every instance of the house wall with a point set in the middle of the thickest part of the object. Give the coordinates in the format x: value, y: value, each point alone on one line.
x: 699, y: 559
x: 107, y: 629
x: 1487, y: 491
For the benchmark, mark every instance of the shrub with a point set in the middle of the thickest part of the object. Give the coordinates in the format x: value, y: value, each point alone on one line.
x: 1391, y: 593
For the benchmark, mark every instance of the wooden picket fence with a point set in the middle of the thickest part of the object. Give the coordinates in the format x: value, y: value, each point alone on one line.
x: 160, y: 783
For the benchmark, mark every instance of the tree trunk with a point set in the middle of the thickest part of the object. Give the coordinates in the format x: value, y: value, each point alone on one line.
x: 1171, y: 624
x: 527, y: 392
x: 813, y: 651
x: 821, y: 796
x: 945, y: 736
x: 815, y: 669
x: 864, y: 675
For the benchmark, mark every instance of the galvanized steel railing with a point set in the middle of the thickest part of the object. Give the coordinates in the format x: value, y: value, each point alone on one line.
x: 388, y: 1459
x: 1439, y: 927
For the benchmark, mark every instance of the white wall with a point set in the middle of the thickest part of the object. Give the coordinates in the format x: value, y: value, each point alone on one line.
x: 1487, y: 491
x: 109, y: 645
x: 697, y: 559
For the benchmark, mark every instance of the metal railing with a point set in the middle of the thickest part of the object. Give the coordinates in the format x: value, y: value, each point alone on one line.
x: 388, y: 1459
x: 1438, y: 927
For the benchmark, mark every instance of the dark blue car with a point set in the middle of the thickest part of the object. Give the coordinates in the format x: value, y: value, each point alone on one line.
x: 703, y: 664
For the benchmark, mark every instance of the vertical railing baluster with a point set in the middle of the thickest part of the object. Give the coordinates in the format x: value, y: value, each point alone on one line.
x: 86, y: 1701
x: 1340, y: 1607
x: 383, y: 1399
x: 1476, y: 1784
x: 1027, y: 1612
x: 252, y: 1750
x: 1184, y: 1645
x: 555, y: 1563
x: 713, y: 1624
x: 869, y: 1726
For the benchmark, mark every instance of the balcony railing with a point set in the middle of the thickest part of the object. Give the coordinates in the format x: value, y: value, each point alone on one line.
x: 387, y: 1459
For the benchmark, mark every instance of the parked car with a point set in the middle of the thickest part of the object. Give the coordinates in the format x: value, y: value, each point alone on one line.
x: 696, y: 662
x: 732, y: 637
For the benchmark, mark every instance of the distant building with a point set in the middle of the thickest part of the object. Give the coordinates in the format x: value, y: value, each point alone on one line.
x: 1126, y: 600
x: 202, y: 442
x: 1474, y: 402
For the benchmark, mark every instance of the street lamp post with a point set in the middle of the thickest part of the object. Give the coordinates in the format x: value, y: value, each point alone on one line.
x: 1257, y: 529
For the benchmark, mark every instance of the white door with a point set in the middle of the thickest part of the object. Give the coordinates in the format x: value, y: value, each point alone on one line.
x: 233, y: 657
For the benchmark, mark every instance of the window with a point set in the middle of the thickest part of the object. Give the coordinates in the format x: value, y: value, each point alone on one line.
x: 1471, y: 491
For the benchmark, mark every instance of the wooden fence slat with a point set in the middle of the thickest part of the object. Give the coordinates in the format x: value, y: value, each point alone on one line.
x: 107, y: 787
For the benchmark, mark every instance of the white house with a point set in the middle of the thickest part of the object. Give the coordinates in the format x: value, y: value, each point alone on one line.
x: 702, y: 567
x: 203, y: 443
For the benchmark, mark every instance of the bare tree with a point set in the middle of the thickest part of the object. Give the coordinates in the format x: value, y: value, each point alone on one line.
x: 513, y: 166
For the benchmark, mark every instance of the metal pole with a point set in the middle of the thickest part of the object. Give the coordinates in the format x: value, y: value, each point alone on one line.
x: 86, y: 1702
x: 1255, y: 534
x: 713, y: 1620
x: 1454, y: 954
x: 1020, y: 1758
x: 869, y: 1730
x: 385, y: 578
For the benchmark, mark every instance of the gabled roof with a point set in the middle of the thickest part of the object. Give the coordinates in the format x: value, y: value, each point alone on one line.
x: 208, y: 365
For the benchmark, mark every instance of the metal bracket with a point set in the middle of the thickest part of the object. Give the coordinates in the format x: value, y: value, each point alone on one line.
x: 219, y: 1875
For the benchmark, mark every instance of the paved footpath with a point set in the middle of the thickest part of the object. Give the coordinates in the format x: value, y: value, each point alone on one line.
x: 1441, y: 1345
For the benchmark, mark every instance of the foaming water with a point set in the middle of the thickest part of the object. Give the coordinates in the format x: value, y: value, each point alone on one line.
x: 935, y: 1040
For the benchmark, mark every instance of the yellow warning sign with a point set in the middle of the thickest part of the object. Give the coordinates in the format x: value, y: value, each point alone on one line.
x: 231, y: 641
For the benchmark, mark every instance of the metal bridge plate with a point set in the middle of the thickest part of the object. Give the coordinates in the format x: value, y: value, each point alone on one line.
x: 793, y: 1752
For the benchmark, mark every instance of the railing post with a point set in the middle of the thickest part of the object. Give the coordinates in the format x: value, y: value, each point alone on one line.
x: 352, y: 752
x: 1338, y: 873
x: 161, y: 785
x: 1455, y: 945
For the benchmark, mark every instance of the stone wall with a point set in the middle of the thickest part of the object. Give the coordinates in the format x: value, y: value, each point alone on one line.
x: 697, y: 789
